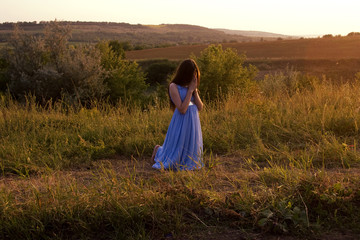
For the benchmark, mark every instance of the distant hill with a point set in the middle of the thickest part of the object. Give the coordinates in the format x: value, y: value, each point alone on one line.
x: 146, y: 35
x: 255, y: 34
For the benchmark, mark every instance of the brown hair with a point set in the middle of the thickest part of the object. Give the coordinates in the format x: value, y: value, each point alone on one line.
x: 183, y: 76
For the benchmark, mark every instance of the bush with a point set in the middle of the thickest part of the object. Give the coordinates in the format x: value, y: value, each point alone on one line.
x: 158, y: 72
x: 222, y: 72
x: 124, y: 78
x: 48, y: 68
x: 83, y: 75
x: 4, y: 78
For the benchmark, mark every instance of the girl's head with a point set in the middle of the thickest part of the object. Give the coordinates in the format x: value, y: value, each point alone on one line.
x: 186, y: 72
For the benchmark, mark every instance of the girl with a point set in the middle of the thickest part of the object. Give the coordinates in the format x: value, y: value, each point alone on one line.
x: 183, y: 145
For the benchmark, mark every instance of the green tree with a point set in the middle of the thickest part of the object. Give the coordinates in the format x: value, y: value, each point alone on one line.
x: 124, y: 78
x: 117, y: 48
x: 223, y: 71
x: 158, y: 72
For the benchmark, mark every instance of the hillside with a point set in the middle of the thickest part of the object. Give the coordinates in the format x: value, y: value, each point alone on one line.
x: 146, y: 35
x: 256, y: 34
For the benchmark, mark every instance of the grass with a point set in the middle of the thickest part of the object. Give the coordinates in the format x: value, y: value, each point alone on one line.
x: 280, y: 159
x: 107, y: 202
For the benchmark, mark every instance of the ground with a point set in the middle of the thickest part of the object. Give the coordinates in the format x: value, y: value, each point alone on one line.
x: 125, y: 166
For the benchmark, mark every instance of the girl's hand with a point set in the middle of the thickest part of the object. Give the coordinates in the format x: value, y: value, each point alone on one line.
x: 193, y: 84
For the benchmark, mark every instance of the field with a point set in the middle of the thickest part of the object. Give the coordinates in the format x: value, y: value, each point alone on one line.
x: 337, y: 58
x: 278, y: 163
x: 322, y: 48
x: 282, y: 157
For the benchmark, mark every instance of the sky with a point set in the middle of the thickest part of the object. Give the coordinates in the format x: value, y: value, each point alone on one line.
x: 299, y: 18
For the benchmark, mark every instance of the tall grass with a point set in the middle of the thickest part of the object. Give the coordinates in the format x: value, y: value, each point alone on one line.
x: 309, y: 126
x: 37, y: 138
x: 281, y: 161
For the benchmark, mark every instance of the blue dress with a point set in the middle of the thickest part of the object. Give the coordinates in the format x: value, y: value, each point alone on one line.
x: 183, y: 145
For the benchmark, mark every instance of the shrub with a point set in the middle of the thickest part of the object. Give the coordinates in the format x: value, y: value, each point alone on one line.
x: 158, y: 72
x: 49, y: 68
x: 117, y: 48
x: 124, y: 78
x: 222, y: 71
x: 4, y: 78
x: 83, y: 75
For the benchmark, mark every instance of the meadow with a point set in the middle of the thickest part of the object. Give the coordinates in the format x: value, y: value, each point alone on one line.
x: 281, y: 160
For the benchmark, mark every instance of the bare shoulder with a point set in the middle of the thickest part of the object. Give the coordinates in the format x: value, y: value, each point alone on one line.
x: 173, y: 91
x: 172, y: 85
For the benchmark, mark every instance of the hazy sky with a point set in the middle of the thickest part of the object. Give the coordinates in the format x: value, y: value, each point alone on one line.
x: 303, y: 17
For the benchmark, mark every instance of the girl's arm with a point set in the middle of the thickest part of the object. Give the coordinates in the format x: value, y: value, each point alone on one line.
x: 175, y: 96
x: 197, y: 100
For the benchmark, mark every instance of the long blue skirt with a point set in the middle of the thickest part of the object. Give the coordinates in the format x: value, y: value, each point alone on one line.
x: 183, y: 145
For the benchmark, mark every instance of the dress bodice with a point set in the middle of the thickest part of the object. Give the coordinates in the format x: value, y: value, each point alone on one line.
x: 182, y: 91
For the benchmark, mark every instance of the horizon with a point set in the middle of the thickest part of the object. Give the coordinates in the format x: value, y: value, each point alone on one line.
x: 307, y: 18
x: 220, y: 29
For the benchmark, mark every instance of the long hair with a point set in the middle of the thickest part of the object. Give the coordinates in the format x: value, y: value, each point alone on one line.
x: 183, y: 76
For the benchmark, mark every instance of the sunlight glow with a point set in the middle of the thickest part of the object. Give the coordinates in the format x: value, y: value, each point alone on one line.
x: 279, y: 16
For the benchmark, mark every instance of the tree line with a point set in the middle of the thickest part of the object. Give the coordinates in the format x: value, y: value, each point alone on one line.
x: 48, y: 67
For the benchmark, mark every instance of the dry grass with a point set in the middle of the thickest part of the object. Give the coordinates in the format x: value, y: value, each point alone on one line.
x: 281, y: 159
x: 125, y: 198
